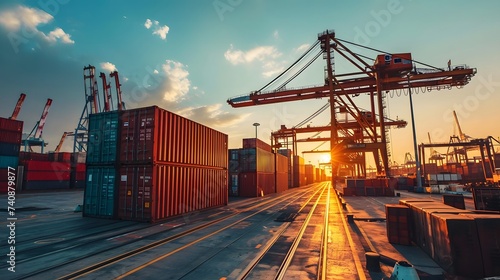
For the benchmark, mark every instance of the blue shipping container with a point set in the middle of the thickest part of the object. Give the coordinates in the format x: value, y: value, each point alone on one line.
x: 100, y: 192
x: 9, y: 149
x: 103, y: 142
x: 9, y: 161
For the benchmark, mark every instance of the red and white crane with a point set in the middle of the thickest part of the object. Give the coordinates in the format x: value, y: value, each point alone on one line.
x: 18, y: 106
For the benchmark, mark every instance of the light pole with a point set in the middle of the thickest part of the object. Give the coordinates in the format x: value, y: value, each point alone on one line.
x: 417, y: 162
x: 256, y: 124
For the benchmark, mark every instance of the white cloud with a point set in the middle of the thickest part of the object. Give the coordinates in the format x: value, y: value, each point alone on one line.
x: 30, y: 18
x: 267, y: 55
x: 212, y: 115
x: 260, y: 53
x: 148, y: 23
x: 195, y: 87
x: 58, y: 33
x: 177, y: 84
x: 276, y: 34
x: 156, y: 71
x: 303, y: 47
x: 108, y: 66
x: 161, y: 31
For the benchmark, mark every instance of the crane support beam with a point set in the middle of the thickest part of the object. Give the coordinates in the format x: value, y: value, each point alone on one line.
x: 43, y: 118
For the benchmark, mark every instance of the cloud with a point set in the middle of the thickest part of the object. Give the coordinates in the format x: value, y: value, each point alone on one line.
x: 212, y: 115
x: 276, y: 34
x: 260, y: 53
x: 161, y: 31
x: 28, y: 19
x: 156, y: 71
x: 148, y: 23
x: 267, y: 55
x: 177, y: 83
x: 108, y: 66
x: 303, y: 47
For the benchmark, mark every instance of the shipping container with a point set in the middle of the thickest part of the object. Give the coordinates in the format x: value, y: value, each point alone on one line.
x: 13, y: 137
x: 153, y: 135
x: 10, y: 125
x: 299, y: 172
x: 488, y: 230
x: 309, y: 168
x: 78, y: 157
x: 45, y: 185
x: 233, y: 184
x: 398, y: 224
x: 251, y: 160
x: 100, y: 194
x: 4, y: 179
x: 251, y: 143
x: 103, y: 138
x: 150, y: 193
x: 288, y: 153
x: 456, y: 245
x: 9, y: 149
x: 8, y: 161
x: 25, y: 156
x: 281, y: 172
x: 36, y: 165
x: 254, y: 184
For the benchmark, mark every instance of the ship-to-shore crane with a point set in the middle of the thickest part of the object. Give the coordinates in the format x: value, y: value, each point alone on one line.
x: 17, y: 109
x: 34, y: 138
x: 389, y: 72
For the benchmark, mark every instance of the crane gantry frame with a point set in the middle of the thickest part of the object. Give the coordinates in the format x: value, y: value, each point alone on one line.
x: 375, y: 80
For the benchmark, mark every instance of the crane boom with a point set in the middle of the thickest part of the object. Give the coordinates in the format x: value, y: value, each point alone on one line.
x: 41, y: 122
x: 460, y: 132
x: 107, y: 95
x: 58, y: 148
x: 18, y: 106
x: 121, y: 105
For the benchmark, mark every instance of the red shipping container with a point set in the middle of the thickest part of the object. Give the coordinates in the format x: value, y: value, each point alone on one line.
x: 80, y: 167
x: 398, y: 224
x: 254, y: 184
x: 35, y: 165
x: 25, y: 156
x: 10, y: 125
x: 151, y: 193
x: 50, y: 175
x: 249, y: 143
x: 13, y: 137
x: 153, y: 135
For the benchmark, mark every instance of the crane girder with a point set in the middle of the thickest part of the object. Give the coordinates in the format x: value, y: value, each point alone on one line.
x: 18, y: 106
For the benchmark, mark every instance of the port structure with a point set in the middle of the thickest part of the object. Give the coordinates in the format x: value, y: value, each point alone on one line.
x: 389, y: 72
x: 34, y: 138
x: 93, y: 103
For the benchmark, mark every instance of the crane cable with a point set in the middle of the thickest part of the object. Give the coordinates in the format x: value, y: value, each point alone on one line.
x: 301, y: 70
x: 286, y: 70
x: 315, y: 114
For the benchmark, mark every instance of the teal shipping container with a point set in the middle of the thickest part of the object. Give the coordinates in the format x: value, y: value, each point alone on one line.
x: 103, y: 141
x: 9, y: 161
x: 100, y: 192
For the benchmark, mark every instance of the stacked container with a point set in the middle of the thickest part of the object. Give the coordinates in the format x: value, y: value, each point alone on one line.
x: 10, y: 143
x: 169, y: 165
x: 100, y: 198
x: 281, y: 173
x: 288, y: 153
x: 299, y: 172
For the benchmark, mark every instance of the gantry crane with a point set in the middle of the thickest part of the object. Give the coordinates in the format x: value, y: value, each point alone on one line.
x: 388, y: 72
x: 18, y: 106
x: 34, y: 138
x: 92, y: 104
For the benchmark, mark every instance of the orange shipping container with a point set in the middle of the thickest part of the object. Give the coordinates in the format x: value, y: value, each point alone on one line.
x: 153, y: 135
x: 150, y: 193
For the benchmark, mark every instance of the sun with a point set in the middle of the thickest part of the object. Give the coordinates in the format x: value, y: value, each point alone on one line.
x: 324, y: 158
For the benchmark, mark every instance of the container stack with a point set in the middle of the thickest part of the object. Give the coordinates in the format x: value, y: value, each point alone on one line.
x: 281, y: 174
x: 370, y: 187
x: 288, y: 153
x: 169, y: 165
x: 299, y: 172
x: 310, y: 174
x: 100, y: 198
x: 10, y: 143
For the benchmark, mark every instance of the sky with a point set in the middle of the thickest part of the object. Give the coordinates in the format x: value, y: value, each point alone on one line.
x: 190, y: 56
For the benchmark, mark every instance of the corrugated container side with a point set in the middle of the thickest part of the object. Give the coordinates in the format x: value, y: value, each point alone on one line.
x: 265, y: 161
x: 281, y: 163
x: 254, y: 184
x: 100, y: 192
x: 78, y: 157
x: 398, y: 224
x: 51, y: 175
x: 456, y: 245
x: 299, y: 172
x: 8, y: 161
x: 153, y: 135
x: 10, y: 125
x: 9, y: 149
x: 25, y: 156
x: 233, y: 184
x: 309, y: 174
x: 103, y: 139
x: 249, y: 143
x: 8, y: 136
x: 151, y: 193
x: 488, y: 230
x: 35, y: 165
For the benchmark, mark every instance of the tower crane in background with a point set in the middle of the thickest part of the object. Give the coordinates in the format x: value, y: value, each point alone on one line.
x: 375, y: 79
x: 108, y: 101
x: 34, y: 138
x: 121, y: 104
x: 18, y: 106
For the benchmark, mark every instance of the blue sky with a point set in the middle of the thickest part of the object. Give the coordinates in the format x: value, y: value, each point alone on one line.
x: 191, y: 56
